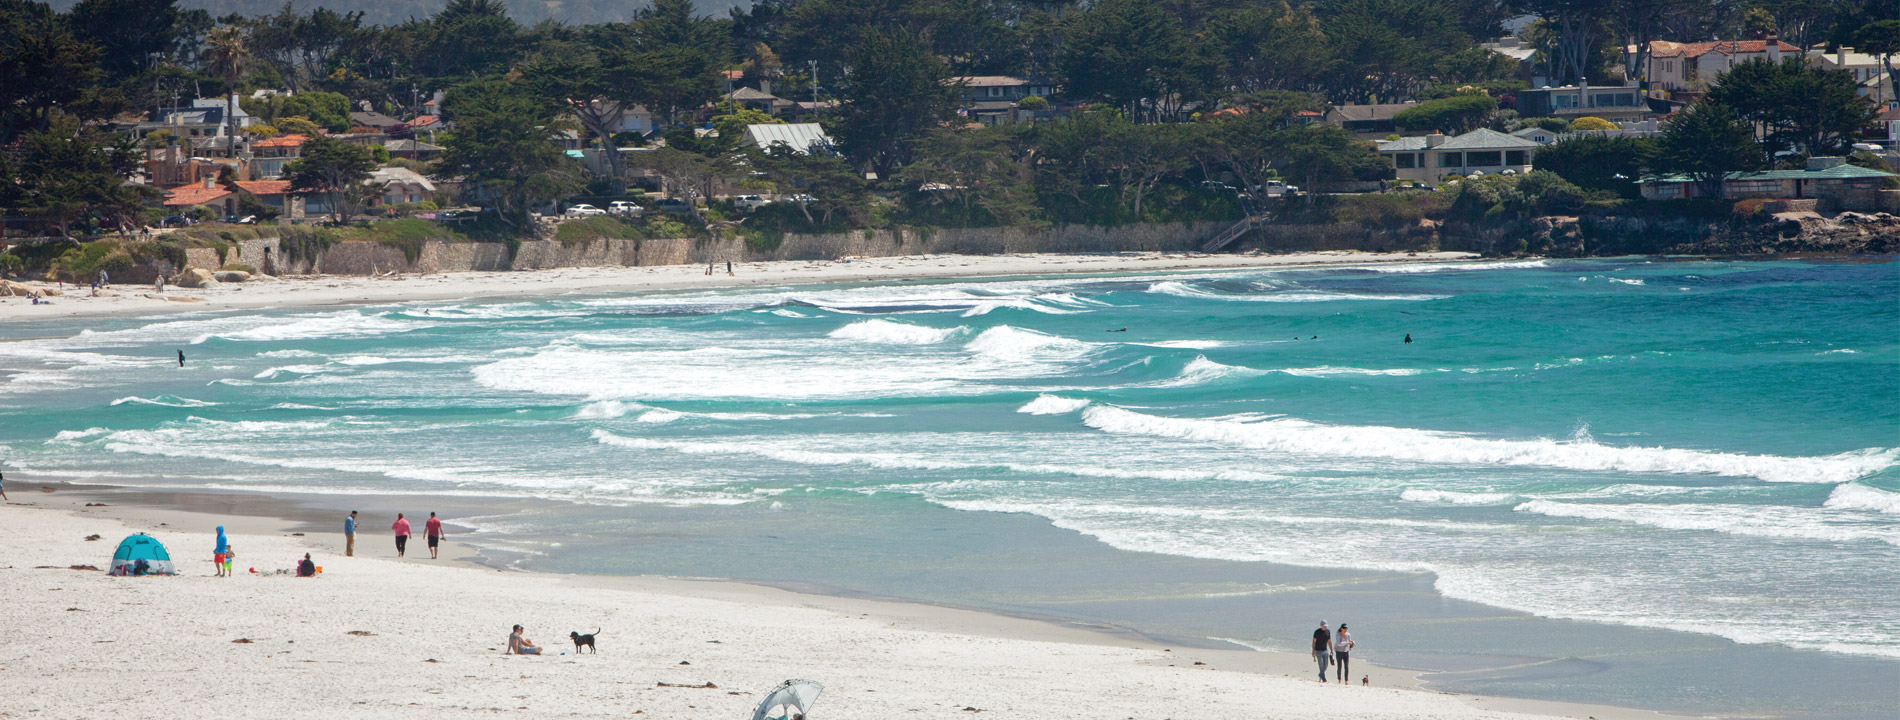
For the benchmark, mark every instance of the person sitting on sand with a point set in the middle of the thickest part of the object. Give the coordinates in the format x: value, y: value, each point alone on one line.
x: 518, y: 645
x: 307, y: 568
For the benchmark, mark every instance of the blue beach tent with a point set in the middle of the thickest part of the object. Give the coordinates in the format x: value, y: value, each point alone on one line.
x: 141, y: 555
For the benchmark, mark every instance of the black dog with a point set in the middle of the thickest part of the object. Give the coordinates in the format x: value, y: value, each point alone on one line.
x: 583, y: 641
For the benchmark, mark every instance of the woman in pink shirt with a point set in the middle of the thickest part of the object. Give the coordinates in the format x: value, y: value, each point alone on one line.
x: 402, y: 534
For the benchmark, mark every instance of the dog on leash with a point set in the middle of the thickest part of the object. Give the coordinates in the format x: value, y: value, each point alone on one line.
x: 1365, y: 681
x: 583, y: 641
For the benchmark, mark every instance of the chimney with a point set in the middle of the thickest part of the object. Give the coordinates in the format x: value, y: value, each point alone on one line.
x: 210, y: 181
x: 1435, y: 139
x: 1840, y: 57
x: 1773, y: 47
x: 1583, y: 92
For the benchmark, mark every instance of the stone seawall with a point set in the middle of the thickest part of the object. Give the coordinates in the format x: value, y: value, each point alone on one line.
x: 370, y: 258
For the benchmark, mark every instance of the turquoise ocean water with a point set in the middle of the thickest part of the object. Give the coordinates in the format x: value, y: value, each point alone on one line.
x: 1612, y: 446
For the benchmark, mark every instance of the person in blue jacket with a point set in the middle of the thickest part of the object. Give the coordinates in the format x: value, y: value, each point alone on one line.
x: 217, y: 553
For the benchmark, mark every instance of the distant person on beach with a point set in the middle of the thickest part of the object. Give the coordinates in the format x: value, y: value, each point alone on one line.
x: 307, y: 568
x: 221, y: 546
x: 433, y: 529
x: 518, y: 645
x: 230, y: 556
x: 1322, y: 648
x: 1342, y: 651
x: 3, y: 488
x: 349, y: 535
x: 181, y: 358
x: 728, y: 267
x: 402, y: 534
x: 1408, y: 338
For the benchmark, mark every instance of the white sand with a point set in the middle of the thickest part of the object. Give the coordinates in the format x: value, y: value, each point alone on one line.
x: 80, y: 644
x: 338, y: 289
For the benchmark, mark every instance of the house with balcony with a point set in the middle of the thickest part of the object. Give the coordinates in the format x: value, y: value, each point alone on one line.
x: 1430, y: 158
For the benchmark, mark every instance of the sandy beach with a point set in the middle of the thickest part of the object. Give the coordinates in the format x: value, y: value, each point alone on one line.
x: 375, y: 636
x: 342, y: 290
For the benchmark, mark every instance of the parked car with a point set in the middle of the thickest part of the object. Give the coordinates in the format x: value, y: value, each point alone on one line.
x: 240, y: 220
x: 623, y: 208
x: 801, y: 199
x: 175, y: 221
x: 749, y: 203
x: 1276, y: 188
x: 1218, y: 186
x: 673, y: 205
x: 584, y: 210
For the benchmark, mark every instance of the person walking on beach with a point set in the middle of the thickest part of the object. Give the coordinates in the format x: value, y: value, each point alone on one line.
x: 221, y: 547
x: 1322, y: 648
x: 433, y: 529
x: 3, y: 488
x: 1342, y: 651
x: 518, y: 645
x: 349, y: 535
x: 402, y: 534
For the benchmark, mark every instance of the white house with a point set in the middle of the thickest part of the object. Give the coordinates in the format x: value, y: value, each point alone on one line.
x: 401, y: 185
x: 1430, y: 158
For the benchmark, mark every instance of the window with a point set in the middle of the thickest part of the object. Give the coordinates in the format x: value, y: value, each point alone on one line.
x: 1487, y: 158
x: 1753, y: 186
x: 1453, y: 159
x: 1402, y: 161
x: 1514, y: 157
x: 1565, y: 101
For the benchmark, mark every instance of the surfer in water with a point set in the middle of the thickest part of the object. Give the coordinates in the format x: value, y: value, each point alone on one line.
x: 1408, y: 338
x: 181, y: 357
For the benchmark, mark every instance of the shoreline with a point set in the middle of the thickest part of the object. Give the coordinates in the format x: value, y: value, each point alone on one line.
x: 270, y: 521
x: 323, y: 290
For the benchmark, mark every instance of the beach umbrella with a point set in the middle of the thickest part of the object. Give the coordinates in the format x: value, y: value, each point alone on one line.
x: 796, y: 694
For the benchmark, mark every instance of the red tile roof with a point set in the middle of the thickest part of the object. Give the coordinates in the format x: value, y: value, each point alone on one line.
x: 421, y: 120
x: 1664, y: 48
x: 264, y: 187
x: 291, y: 140
x: 188, y: 195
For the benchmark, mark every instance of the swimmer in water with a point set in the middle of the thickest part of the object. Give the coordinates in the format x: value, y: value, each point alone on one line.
x: 1408, y: 338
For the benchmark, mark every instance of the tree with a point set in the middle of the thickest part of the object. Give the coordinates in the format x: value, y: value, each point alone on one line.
x: 897, y: 89
x: 983, y: 171
x: 1452, y: 115
x: 678, y: 56
x: 1796, y: 106
x: 132, y: 34
x: 1270, y: 46
x: 1125, y: 51
x: 467, y: 38
x: 825, y: 178
x: 297, y: 125
x: 1573, y: 27
x: 1590, y: 123
x: 1598, y: 162
x: 334, y: 168
x: 68, y: 174
x: 1318, y: 154
x: 1385, y: 50
x: 597, y: 87
x: 1706, y: 142
x: 35, y: 44
x: 225, y: 54
x: 731, y: 126
x: 503, y: 145
x: 1880, y: 39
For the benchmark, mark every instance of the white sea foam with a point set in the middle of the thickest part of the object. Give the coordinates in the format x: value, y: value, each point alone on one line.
x: 165, y: 400
x: 1187, y: 290
x: 1201, y: 370
x: 658, y: 416
x: 341, y: 324
x: 272, y: 373
x: 293, y: 353
x: 1185, y: 344
x: 298, y: 406
x: 1456, y: 267
x: 1299, y: 437
x: 1329, y: 371
x: 1855, y: 496
x: 1627, y: 281
x: 1452, y: 497
x: 894, y: 333
x: 1756, y: 520
x: 604, y: 409
x: 1013, y: 344
x: 1840, y: 351
x: 1052, y: 405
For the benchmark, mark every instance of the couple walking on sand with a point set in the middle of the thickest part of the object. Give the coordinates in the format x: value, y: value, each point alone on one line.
x: 1329, y: 647
x: 433, y: 529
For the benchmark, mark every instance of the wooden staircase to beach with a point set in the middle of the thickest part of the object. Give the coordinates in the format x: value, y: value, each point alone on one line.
x: 1231, y: 234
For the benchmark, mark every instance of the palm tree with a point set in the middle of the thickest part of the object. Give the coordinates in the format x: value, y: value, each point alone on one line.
x: 225, y: 54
